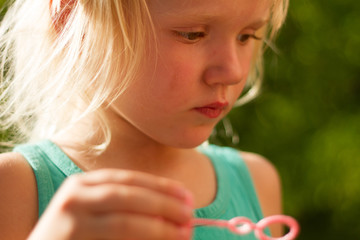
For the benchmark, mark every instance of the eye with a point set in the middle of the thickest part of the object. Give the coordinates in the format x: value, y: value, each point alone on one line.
x: 191, y: 36
x: 244, y: 38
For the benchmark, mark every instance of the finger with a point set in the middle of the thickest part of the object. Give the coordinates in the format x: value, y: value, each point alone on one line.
x: 132, y: 199
x: 134, y: 178
x: 132, y: 226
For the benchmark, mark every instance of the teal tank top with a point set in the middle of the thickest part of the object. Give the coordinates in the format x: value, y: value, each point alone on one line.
x: 235, y: 191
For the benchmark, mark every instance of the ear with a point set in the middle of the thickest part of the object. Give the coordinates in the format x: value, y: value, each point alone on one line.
x: 60, y: 12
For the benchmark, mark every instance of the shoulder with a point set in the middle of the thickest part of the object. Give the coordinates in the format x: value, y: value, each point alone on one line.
x: 18, y: 198
x: 264, y: 175
x: 267, y: 184
x: 261, y: 169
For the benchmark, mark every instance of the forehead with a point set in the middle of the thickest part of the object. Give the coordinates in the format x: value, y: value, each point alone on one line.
x: 245, y: 9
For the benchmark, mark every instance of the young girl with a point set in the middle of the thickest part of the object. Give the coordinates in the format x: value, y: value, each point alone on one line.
x: 113, y: 99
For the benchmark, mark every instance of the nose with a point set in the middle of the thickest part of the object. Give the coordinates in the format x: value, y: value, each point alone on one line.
x: 227, y: 65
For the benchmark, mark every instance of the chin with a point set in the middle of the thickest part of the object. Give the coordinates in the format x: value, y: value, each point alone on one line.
x: 191, y: 140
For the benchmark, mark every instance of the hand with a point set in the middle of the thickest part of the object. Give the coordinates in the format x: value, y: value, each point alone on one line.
x: 117, y: 204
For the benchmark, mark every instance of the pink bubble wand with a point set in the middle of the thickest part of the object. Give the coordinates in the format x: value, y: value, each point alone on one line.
x: 243, y: 225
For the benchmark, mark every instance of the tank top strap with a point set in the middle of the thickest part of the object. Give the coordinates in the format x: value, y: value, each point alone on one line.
x: 37, y: 160
x: 51, y: 167
x: 223, y: 194
x: 241, y: 171
x: 233, y: 177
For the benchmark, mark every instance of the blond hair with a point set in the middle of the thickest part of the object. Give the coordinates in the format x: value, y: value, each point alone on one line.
x: 278, y: 14
x: 60, y: 63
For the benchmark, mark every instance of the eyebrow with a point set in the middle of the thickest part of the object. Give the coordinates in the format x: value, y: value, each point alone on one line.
x: 192, y: 15
x: 189, y: 15
x: 258, y: 24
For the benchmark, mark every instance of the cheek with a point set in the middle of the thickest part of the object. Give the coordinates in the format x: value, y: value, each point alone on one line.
x: 183, y: 75
x: 175, y: 76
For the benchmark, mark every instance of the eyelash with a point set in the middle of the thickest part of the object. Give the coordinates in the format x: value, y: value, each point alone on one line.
x: 193, y: 37
x: 247, y: 38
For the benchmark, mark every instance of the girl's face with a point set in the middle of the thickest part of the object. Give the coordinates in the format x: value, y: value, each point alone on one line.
x: 196, y: 70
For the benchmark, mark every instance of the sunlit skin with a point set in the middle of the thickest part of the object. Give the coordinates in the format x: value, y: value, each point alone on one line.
x: 202, y: 56
x: 204, y: 51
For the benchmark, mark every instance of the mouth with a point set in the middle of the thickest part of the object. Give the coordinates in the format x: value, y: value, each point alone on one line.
x: 212, y: 110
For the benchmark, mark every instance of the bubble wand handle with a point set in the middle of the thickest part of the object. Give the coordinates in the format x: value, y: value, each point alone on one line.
x: 243, y: 225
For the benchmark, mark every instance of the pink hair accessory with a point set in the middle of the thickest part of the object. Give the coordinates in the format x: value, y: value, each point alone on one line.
x: 243, y: 225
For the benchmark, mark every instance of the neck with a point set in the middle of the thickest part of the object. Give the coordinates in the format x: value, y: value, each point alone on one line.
x: 128, y: 148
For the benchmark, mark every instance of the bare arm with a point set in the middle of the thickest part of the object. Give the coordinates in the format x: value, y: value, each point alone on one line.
x: 268, y: 187
x: 18, y: 198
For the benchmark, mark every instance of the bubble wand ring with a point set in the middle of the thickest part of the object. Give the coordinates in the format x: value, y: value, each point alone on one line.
x: 243, y: 225
x: 286, y: 220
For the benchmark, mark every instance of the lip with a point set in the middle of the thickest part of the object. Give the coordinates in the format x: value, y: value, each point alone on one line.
x: 212, y: 110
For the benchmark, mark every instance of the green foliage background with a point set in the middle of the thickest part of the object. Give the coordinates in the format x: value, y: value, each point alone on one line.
x: 307, y: 119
